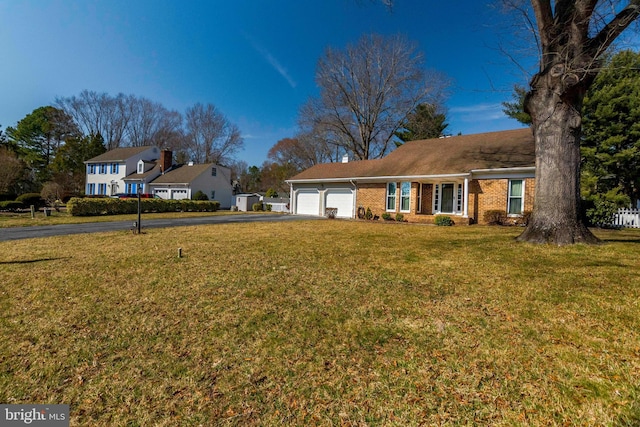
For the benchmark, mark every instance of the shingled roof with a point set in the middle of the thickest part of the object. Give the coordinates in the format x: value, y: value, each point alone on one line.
x: 118, y: 154
x: 440, y: 156
x: 183, y: 174
x: 141, y: 176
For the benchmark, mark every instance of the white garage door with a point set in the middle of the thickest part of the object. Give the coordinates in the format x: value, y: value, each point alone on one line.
x: 163, y: 194
x: 308, y: 202
x: 179, y: 194
x: 341, y: 199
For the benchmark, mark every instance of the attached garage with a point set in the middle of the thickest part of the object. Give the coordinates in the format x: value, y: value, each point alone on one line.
x: 308, y: 202
x: 342, y: 199
x: 315, y: 201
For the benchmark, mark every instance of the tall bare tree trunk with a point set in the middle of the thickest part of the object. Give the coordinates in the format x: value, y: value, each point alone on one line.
x: 572, y: 35
x: 556, y: 121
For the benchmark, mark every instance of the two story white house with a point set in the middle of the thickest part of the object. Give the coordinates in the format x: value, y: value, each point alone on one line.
x: 150, y: 170
x: 107, y: 172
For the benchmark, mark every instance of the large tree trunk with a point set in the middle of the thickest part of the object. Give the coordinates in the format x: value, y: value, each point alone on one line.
x: 573, y: 35
x: 557, y: 216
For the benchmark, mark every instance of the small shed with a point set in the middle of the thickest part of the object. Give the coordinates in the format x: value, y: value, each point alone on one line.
x: 278, y: 204
x: 245, y: 202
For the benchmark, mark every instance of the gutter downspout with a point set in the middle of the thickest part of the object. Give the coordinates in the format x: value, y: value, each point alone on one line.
x: 355, y: 193
x: 290, y: 197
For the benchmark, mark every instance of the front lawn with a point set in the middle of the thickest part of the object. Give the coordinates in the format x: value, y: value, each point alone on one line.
x: 323, y: 323
x: 56, y: 218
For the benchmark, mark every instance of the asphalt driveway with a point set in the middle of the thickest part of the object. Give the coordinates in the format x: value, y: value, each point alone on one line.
x: 18, y: 233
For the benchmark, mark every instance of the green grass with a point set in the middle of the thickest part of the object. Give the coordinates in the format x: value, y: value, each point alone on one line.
x: 323, y: 323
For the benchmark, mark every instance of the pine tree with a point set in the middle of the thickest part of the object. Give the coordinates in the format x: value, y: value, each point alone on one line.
x: 611, y: 127
x: 424, y: 122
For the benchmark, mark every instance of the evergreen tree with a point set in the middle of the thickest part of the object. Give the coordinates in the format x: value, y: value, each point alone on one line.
x: 611, y: 127
x: 39, y: 135
x: 68, y: 165
x: 515, y: 109
x: 422, y: 123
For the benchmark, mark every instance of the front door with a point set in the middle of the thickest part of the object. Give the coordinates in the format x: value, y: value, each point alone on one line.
x: 447, y: 198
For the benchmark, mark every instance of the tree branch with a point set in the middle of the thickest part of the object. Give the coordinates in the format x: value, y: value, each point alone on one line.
x: 613, y: 29
x: 544, y: 18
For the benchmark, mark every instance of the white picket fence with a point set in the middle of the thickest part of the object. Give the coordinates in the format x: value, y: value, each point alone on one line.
x: 627, y: 218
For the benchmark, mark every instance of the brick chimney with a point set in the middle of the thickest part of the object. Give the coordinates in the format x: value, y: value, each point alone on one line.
x: 166, y: 160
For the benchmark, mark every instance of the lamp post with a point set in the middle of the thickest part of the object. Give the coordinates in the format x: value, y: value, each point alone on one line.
x: 139, y: 206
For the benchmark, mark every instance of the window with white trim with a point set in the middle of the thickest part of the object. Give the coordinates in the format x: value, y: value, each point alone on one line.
x: 91, y: 169
x: 516, y: 197
x: 392, y: 188
x: 91, y: 189
x: 114, y: 168
x: 102, y: 189
x: 103, y: 168
x: 405, y: 196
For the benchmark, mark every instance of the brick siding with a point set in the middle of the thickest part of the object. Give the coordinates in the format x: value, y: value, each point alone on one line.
x: 372, y: 196
x: 484, y: 195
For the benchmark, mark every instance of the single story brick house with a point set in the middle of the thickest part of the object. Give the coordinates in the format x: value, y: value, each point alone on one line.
x: 460, y: 176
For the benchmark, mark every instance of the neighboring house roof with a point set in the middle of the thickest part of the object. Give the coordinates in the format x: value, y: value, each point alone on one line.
x: 440, y: 156
x: 248, y: 195
x: 183, y: 174
x: 141, y: 176
x: 119, y: 154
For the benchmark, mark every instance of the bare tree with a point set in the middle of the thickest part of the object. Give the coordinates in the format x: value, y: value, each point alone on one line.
x: 169, y: 133
x: 302, y: 151
x: 212, y: 138
x: 99, y: 113
x: 11, y: 169
x: 239, y: 170
x: 573, y: 37
x: 150, y: 123
x: 366, y: 92
x: 144, y: 118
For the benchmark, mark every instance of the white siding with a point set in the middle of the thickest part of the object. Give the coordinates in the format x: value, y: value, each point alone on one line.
x: 115, y: 181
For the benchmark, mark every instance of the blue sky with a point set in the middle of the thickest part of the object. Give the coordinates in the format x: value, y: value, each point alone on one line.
x: 255, y: 60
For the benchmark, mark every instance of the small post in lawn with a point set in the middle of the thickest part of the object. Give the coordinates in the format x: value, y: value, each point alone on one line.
x: 139, y: 207
x: 33, y: 211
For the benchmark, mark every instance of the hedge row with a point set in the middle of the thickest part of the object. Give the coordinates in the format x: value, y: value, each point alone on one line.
x: 92, y: 207
x: 29, y: 199
x: 11, y: 205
